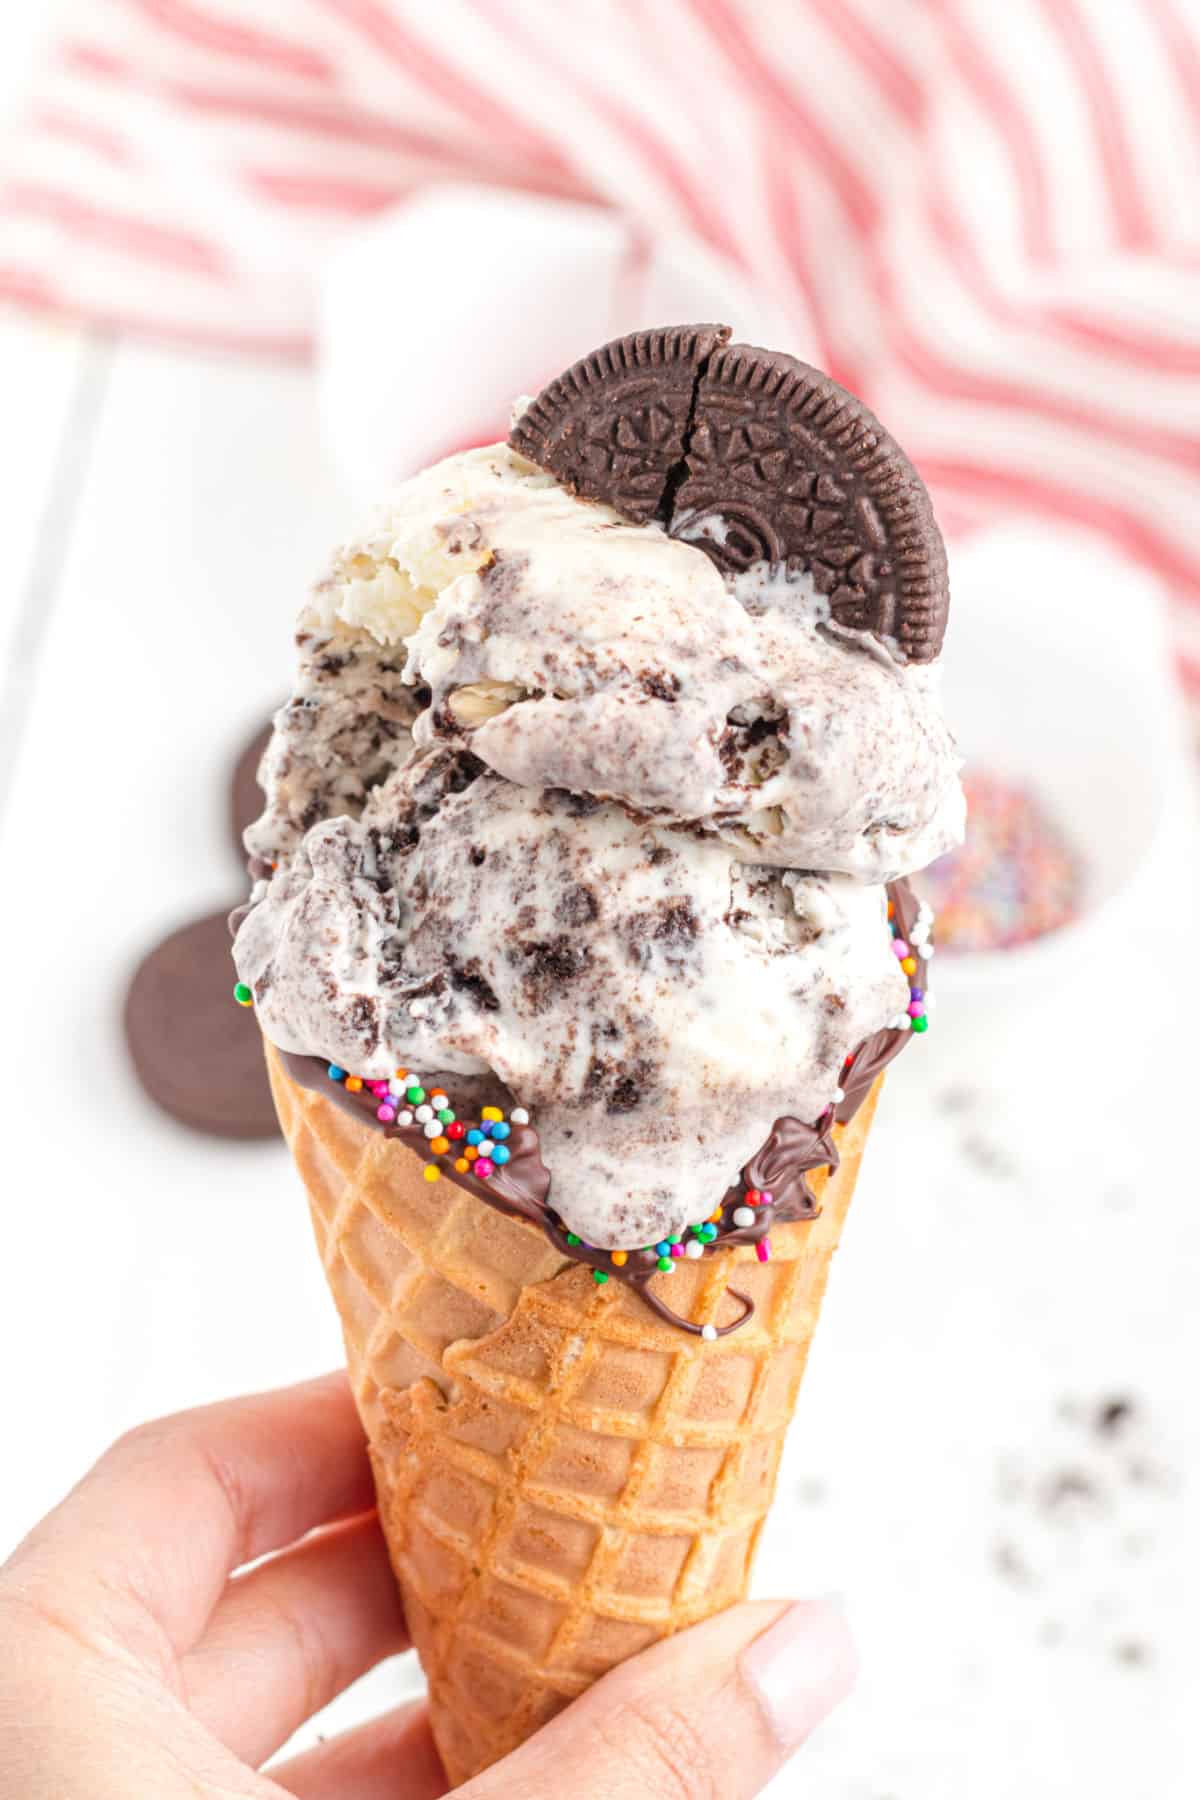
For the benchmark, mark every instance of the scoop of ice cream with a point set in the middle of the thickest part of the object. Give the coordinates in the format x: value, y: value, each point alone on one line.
x: 569, y: 649
x: 653, y: 998
x: 347, y: 726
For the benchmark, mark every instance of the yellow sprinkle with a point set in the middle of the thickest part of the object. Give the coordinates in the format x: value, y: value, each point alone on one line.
x: 439, y: 1145
x: 620, y: 1258
x: 400, y: 1074
x: 432, y: 1171
x: 462, y: 1165
x: 354, y: 1083
x: 471, y: 1154
x: 715, y: 1218
x: 491, y: 1112
x: 909, y: 965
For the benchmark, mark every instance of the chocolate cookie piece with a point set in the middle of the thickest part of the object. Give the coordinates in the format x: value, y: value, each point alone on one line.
x: 195, y: 1051
x: 775, y: 463
x: 246, y: 797
x: 784, y: 466
x: 614, y: 427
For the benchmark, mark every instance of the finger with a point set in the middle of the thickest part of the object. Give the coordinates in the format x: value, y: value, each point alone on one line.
x: 294, y: 1632
x: 392, y: 1758
x: 143, y: 1546
x: 716, y: 1710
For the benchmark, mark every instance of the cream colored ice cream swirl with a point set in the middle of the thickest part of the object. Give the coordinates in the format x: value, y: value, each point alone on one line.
x: 569, y: 649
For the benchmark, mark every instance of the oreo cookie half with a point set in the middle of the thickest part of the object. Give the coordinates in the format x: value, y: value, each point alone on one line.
x: 775, y: 463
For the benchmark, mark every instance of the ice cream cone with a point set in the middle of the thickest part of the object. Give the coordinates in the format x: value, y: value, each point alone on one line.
x: 563, y: 1478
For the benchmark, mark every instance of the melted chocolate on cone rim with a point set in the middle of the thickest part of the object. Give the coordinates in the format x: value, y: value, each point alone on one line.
x: 521, y: 1187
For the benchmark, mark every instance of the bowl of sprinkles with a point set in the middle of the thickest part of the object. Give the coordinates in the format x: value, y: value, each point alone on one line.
x: 1016, y: 877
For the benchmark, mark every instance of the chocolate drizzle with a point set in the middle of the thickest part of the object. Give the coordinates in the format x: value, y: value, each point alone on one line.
x: 521, y: 1187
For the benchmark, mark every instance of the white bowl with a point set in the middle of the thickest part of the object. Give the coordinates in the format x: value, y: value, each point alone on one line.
x: 436, y: 315
x: 1058, y: 675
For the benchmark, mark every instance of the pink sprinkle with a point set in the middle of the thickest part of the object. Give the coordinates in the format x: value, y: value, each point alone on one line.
x: 386, y: 1113
x: 676, y: 1249
x: 917, y: 1010
x: 763, y: 1249
x: 900, y: 947
x: 378, y: 1088
x: 483, y: 1166
x: 767, y: 1197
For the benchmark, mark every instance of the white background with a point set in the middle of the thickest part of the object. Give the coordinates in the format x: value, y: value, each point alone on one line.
x: 1022, y: 1588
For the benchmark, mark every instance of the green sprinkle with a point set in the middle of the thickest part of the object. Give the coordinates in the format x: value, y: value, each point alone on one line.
x: 665, y: 1264
x: 446, y: 1117
x: 242, y: 994
x: 599, y: 1276
x: 921, y: 1024
x: 572, y: 1239
x: 675, y: 1239
x: 414, y: 1095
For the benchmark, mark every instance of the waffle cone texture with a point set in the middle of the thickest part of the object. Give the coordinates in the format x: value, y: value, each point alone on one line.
x: 563, y: 1478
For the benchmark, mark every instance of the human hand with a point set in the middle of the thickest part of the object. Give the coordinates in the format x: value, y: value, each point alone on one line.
x: 136, y: 1661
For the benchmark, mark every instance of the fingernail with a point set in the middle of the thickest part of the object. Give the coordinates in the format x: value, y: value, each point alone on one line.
x: 801, y: 1668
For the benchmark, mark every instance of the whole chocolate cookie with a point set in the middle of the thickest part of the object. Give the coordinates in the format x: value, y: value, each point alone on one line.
x: 246, y: 798
x: 195, y: 1052
x: 773, y: 462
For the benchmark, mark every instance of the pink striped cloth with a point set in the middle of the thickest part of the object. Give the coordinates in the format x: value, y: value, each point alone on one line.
x: 984, y: 217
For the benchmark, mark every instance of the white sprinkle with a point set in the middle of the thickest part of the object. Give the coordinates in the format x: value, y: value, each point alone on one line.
x: 839, y: 1094
x: 423, y: 1113
x: 486, y: 1148
x: 519, y: 1116
x: 709, y: 1333
x: 693, y: 1248
x: 432, y: 1128
x: 404, y: 1118
x: 396, y: 1087
x: 743, y: 1215
x: 412, y: 1079
x: 902, y: 1022
x: 925, y: 951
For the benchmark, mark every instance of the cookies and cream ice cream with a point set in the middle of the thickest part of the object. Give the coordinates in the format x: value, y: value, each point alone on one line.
x: 560, y: 802
x: 568, y: 648
x: 655, y: 1002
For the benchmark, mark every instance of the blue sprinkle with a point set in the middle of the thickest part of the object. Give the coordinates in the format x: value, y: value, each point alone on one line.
x: 500, y: 1130
x: 663, y: 1249
x: 474, y: 1137
x: 336, y: 1074
x: 500, y: 1154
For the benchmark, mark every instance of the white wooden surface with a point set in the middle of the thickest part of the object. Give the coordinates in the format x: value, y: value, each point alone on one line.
x: 1024, y: 1590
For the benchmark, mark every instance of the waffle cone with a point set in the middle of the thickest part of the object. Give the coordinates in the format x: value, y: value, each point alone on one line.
x: 563, y: 1478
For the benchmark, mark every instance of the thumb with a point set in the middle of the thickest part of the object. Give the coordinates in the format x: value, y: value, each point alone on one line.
x: 715, y: 1710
